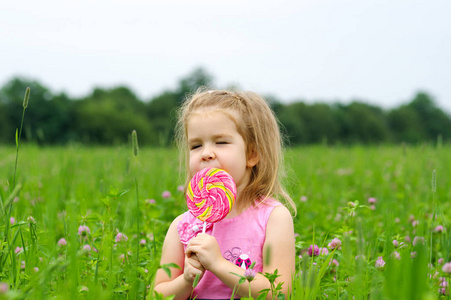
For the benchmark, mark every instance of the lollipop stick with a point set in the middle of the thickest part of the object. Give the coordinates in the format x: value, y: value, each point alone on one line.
x: 204, y: 227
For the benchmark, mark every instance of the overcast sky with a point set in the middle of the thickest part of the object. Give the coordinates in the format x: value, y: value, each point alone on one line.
x: 378, y: 51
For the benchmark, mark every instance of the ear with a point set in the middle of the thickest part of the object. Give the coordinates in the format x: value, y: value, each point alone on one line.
x: 253, y: 158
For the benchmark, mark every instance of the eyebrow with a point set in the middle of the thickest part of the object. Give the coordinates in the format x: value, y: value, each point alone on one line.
x: 215, y: 137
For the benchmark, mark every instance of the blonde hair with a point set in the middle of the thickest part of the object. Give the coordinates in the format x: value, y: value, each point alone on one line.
x: 260, y: 131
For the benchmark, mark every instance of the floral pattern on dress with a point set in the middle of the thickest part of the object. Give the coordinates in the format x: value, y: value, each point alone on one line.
x: 189, y: 230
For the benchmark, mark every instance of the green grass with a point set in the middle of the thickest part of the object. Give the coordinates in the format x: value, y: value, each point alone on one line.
x: 62, y: 188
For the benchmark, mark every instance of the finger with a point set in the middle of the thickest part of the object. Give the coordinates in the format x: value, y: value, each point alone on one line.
x: 194, y: 274
x: 199, y: 239
x: 195, y: 263
x: 190, y: 250
x: 197, y: 266
x: 191, y: 272
x: 193, y: 241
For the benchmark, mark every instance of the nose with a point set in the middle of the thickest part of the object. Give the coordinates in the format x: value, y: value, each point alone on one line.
x: 208, y: 154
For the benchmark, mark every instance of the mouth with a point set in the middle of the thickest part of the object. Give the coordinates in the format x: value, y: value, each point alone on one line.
x: 204, y: 166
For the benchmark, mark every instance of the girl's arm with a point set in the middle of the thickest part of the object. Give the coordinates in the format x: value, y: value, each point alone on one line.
x: 279, y: 246
x: 279, y: 249
x: 181, y: 280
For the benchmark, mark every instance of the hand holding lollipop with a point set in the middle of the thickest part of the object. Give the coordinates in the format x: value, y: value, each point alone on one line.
x: 210, y: 195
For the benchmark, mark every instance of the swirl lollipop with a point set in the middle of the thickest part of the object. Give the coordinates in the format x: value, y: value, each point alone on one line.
x: 210, y: 195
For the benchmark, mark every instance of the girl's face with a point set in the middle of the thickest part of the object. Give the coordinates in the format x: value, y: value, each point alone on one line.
x: 214, y: 141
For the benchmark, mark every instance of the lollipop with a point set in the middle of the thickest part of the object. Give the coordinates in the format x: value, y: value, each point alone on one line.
x: 211, y: 195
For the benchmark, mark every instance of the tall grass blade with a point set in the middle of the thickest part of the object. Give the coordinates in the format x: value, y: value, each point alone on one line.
x: 18, y: 135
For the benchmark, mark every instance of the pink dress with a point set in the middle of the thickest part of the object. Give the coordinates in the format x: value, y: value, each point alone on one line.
x: 240, y: 239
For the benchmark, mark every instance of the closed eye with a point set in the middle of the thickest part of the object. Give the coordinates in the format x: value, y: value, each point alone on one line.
x: 195, y: 147
x: 222, y: 143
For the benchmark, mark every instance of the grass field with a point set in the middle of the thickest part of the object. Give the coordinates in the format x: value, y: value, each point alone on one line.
x: 366, y: 197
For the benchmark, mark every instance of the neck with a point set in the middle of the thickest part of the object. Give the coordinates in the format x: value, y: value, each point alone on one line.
x: 237, y: 209
x: 240, y: 204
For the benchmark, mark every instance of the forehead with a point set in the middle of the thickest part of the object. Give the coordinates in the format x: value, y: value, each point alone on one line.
x: 212, y: 122
x: 206, y: 113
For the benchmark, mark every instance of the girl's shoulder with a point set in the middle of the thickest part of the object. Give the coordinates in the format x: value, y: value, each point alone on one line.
x: 276, y: 205
x: 272, y: 208
x: 266, y: 201
x: 281, y: 211
x: 261, y: 209
x: 177, y: 219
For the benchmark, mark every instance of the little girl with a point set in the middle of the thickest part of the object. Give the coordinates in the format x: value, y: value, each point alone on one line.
x: 236, y: 132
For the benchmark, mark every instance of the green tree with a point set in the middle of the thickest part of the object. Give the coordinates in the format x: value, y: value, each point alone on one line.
x: 293, y: 127
x: 47, y: 116
x: 362, y: 123
x: 161, y: 111
x: 109, y: 116
x: 322, y: 125
x: 4, y: 126
x: 434, y: 121
x: 420, y: 120
x: 406, y: 125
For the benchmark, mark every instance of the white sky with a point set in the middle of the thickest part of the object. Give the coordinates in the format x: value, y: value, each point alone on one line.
x: 378, y: 51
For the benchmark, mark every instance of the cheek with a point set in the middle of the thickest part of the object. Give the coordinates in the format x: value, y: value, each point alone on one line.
x: 237, y: 167
x: 192, y: 163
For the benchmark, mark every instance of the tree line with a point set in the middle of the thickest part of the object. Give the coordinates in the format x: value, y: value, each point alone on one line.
x: 108, y: 116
